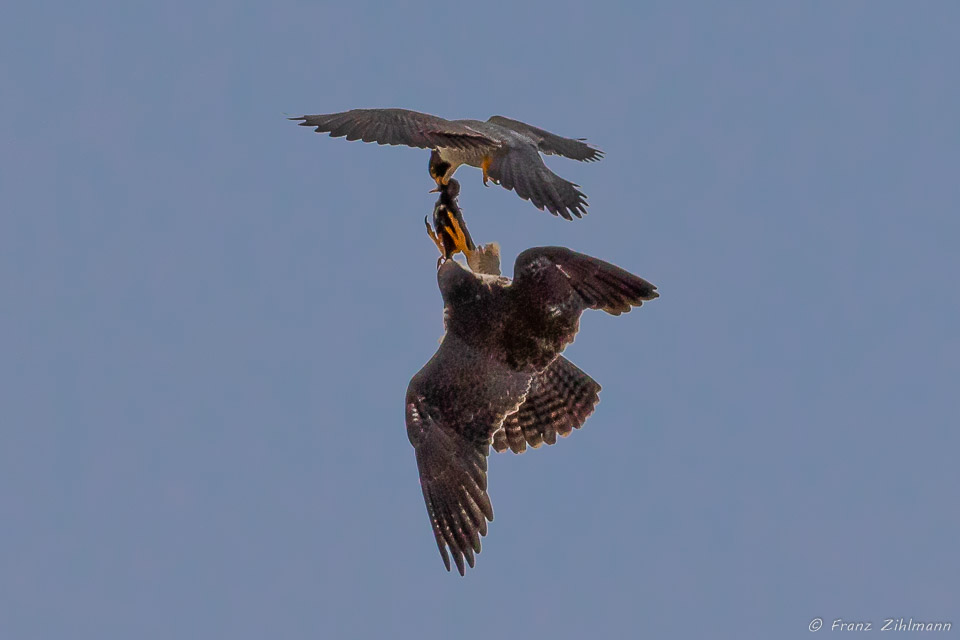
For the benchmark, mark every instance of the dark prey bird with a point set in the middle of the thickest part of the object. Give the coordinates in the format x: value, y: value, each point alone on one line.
x: 449, y: 231
x: 507, y: 151
x: 497, y: 378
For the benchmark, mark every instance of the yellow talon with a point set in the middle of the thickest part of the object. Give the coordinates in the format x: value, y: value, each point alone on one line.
x: 485, y: 167
x: 433, y: 236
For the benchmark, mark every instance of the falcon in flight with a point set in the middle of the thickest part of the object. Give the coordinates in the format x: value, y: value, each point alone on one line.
x: 497, y: 378
x: 507, y: 151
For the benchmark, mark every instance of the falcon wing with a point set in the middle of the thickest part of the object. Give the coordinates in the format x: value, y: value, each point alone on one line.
x: 521, y: 169
x: 550, y: 143
x: 560, y: 400
x: 453, y: 477
x: 599, y: 284
x: 398, y: 126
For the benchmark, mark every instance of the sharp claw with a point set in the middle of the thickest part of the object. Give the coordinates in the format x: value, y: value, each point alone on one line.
x: 485, y: 166
x: 433, y: 236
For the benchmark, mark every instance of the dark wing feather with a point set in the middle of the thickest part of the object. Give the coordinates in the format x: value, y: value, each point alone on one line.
x: 560, y: 400
x: 453, y: 477
x: 599, y: 284
x: 397, y: 126
x: 521, y: 169
x: 551, y: 143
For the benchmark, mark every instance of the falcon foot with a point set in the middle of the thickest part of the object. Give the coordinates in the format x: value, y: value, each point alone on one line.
x: 436, y: 240
x: 485, y: 167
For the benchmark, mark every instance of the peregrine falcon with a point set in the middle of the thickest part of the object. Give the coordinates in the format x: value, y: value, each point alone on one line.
x: 497, y: 378
x: 507, y: 151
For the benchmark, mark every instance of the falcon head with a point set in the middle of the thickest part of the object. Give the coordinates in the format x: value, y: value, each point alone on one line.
x: 458, y: 287
x: 438, y: 167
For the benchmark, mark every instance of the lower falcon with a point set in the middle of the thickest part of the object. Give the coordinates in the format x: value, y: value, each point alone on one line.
x: 498, y: 378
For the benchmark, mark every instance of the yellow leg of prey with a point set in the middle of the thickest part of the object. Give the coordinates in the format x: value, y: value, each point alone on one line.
x: 457, y: 234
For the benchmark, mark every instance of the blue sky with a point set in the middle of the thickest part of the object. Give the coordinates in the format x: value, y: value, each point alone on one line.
x: 209, y: 317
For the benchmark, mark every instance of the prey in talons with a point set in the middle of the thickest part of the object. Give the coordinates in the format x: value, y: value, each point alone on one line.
x: 449, y: 231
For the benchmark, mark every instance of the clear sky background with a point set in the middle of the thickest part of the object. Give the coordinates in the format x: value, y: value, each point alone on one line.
x: 209, y: 316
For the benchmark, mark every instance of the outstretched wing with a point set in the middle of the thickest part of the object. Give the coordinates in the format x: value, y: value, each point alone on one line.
x: 560, y: 400
x: 550, y: 143
x: 552, y: 287
x: 397, y: 126
x: 453, y: 477
x: 598, y: 284
x: 520, y: 168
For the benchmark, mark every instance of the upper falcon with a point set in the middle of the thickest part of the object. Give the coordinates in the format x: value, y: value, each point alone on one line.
x: 507, y: 151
